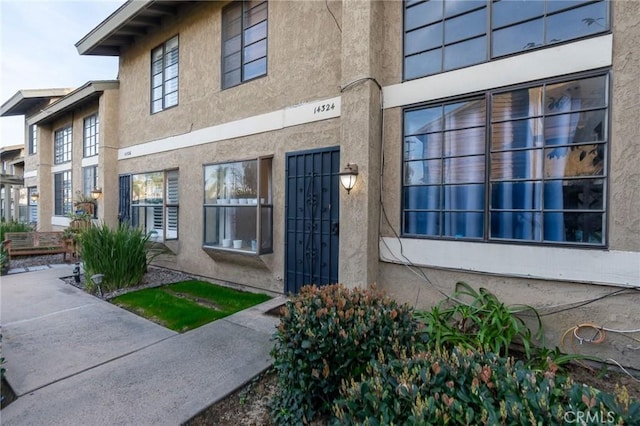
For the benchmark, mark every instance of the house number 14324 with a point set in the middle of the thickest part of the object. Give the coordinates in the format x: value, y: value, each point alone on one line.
x: 324, y: 108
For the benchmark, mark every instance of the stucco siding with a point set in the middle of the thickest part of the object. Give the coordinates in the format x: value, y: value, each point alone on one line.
x: 437, y: 270
x: 624, y: 212
x: 301, y: 68
x: 267, y: 272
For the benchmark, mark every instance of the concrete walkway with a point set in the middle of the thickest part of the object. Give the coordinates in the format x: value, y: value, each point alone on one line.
x: 74, y: 359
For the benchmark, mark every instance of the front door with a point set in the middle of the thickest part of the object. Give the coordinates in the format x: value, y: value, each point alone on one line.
x: 312, y: 218
x: 124, y: 199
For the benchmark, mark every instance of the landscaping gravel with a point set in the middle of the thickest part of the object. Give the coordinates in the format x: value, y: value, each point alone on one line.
x: 154, y: 277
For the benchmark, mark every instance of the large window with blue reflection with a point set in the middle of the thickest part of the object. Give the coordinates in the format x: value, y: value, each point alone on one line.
x: 530, y: 167
x: 442, y: 35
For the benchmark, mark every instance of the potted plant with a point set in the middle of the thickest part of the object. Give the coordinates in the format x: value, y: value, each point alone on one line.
x: 70, y: 236
x: 84, y: 203
x: 245, y: 193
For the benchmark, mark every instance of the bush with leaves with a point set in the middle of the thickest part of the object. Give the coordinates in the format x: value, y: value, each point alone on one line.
x: 328, y: 335
x: 478, y: 320
x: 13, y: 226
x: 481, y: 321
x: 466, y: 387
x: 121, y: 254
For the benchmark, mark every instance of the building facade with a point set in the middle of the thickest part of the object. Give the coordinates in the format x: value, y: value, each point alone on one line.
x: 495, y: 143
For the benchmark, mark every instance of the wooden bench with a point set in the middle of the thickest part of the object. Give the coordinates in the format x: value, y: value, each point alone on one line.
x: 32, y: 243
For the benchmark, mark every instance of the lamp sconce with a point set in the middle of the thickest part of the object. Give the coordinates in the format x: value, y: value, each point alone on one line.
x: 96, y: 193
x: 349, y: 176
x: 34, y: 196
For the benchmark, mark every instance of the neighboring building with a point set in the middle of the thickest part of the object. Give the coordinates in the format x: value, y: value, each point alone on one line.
x: 496, y: 143
x: 77, y: 137
x: 11, y: 181
x: 24, y: 168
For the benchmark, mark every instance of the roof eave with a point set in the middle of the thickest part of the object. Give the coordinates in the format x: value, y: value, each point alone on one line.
x: 91, y: 44
x: 73, y: 99
x: 23, y: 100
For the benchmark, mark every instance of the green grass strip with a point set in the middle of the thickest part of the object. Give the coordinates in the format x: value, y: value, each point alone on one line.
x: 226, y: 298
x: 164, y: 306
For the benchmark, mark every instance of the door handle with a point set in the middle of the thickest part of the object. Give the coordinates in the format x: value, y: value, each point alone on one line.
x: 335, y: 228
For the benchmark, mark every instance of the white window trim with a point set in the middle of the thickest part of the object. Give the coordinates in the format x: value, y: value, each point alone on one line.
x: 583, y: 55
x: 90, y: 161
x: 604, y: 267
x: 280, y: 119
x: 60, y: 221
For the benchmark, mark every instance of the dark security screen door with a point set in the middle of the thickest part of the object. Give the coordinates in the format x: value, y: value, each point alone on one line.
x: 124, y: 199
x: 312, y: 218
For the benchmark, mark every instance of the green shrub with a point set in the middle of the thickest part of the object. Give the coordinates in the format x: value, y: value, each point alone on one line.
x: 4, y: 261
x: 328, y: 335
x: 466, y: 387
x: 121, y: 254
x: 13, y: 226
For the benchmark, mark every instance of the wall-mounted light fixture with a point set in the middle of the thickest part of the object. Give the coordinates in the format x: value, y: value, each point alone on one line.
x: 349, y: 176
x: 96, y: 193
x: 34, y: 196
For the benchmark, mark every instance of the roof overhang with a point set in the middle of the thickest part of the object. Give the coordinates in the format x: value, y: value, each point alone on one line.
x: 86, y: 93
x: 133, y: 19
x: 26, y: 100
x: 10, y: 151
x: 14, y: 180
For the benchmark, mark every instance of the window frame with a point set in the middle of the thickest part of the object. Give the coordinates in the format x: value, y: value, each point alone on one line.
x: 243, y: 28
x: 32, y: 205
x: 489, y: 31
x: 63, y: 195
x: 90, y: 135
x: 262, y: 203
x: 163, y: 206
x: 488, y: 181
x: 64, y: 137
x: 163, y: 92
x: 33, y: 139
x: 93, y: 179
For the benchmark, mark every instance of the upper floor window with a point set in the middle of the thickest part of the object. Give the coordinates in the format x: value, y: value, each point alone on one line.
x: 238, y: 211
x: 164, y: 76
x: 442, y: 35
x: 62, y: 145
x: 530, y: 168
x: 63, y: 196
x: 154, y: 203
x: 33, y: 139
x: 90, y: 137
x: 244, y: 42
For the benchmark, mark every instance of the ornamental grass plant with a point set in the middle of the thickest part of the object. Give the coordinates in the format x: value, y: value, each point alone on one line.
x: 120, y: 254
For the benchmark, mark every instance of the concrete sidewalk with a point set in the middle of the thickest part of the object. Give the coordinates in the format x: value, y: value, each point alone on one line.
x: 74, y: 359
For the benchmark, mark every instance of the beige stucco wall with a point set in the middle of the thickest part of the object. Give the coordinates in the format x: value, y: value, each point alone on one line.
x: 310, y: 59
x: 303, y: 65
x: 424, y: 287
x: 108, y: 156
x: 624, y: 181
x: 189, y: 256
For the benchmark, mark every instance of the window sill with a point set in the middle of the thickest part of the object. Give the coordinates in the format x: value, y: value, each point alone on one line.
x: 243, y: 251
x: 582, y: 265
x: 236, y: 256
